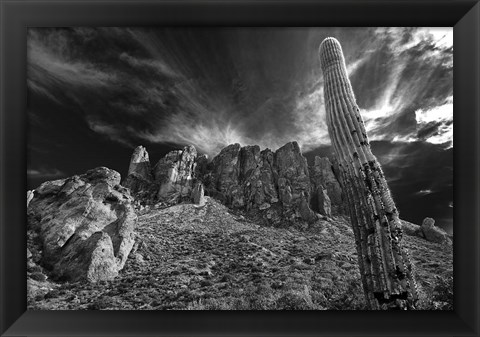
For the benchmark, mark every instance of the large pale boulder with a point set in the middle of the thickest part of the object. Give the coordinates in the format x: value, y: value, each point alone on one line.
x: 86, y: 225
x: 412, y: 229
x: 433, y: 233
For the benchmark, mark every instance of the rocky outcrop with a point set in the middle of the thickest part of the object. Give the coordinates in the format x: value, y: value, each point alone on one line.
x: 324, y: 205
x: 276, y: 184
x: 412, y: 229
x: 223, y: 182
x: 259, y: 177
x: 433, y: 233
x: 279, y: 186
x: 140, y: 164
x: 140, y: 178
x: 293, y: 182
x: 198, y: 194
x: 85, y: 224
x: 30, y: 195
x: 387, y: 273
x: 323, y: 178
x: 170, y: 181
x: 175, y: 173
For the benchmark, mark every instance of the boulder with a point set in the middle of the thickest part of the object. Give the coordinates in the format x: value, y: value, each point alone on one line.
x: 174, y: 174
x: 411, y: 229
x: 433, y: 233
x: 86, y: 225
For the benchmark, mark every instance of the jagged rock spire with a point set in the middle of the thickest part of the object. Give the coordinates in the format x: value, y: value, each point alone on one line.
x: 387, y: 274
x: 140, y: 164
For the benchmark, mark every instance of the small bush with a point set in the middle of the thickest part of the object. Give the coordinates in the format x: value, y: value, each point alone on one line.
x: 35, y: 269
x: 443, y: 294
x: 37, y: 276
x: 99, y: 304
x: 296, y: 300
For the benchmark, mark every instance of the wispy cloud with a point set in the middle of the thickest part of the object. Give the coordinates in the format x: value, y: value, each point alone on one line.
x: 52, y: 62
x: 45, y: 173
x: 248, y: 86
x: 424, y: 192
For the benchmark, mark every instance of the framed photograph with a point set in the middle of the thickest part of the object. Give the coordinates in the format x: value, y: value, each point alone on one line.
x: 239, y: 168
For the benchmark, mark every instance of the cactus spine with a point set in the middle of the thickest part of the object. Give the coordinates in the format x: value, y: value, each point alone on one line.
x: 387, y: 274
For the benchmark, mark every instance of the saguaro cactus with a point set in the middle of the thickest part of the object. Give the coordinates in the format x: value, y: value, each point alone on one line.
x: 385, y: 266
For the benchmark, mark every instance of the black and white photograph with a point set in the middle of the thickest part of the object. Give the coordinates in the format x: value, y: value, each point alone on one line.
x: 239, y: 168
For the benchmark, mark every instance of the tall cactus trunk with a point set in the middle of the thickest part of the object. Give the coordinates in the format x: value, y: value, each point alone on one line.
x: 385, y: 267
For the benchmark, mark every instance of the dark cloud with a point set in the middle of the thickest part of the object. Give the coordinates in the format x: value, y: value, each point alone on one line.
x: 260, y: 85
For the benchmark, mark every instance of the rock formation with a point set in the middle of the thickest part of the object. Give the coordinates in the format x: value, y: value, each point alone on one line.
x: 30, y: 195
x: 170, y: 181
x: 85, y: 224
x: 323, y: 202
x: 385, y: 267
x: 433, y: 233
x: 174, y: 173
x: 412, y: 229
x: 323, y: 178
x: 139, y: 178
x: 140, y: 164
x: 198, y: 196
x: 275, y: 185
x: 293, y: 182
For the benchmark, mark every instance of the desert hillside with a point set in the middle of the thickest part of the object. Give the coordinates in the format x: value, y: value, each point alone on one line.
x: 188, y: 256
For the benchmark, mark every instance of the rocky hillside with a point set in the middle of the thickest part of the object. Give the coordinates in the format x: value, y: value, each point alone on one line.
x: 249, y: 229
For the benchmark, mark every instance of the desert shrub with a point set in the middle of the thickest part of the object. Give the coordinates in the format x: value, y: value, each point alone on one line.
x: 37, y: 276
x: 296, y: 300
x: 100, y: 303
x: 211, y: 304
x: 52, y: 294
x: 35, y: 269
x: 443, y: 294
x: 438, y: 298
x: 349, y: 297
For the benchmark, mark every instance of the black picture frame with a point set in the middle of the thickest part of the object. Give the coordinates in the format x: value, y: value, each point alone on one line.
x: 17, y: 15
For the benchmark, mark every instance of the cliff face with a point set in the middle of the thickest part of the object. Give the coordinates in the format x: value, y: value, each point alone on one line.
x: 277, y: 186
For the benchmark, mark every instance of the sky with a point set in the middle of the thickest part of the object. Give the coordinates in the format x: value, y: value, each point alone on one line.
x: 94, y: 94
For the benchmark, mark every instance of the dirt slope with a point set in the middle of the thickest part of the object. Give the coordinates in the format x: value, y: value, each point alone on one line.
x: 190, y: 257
